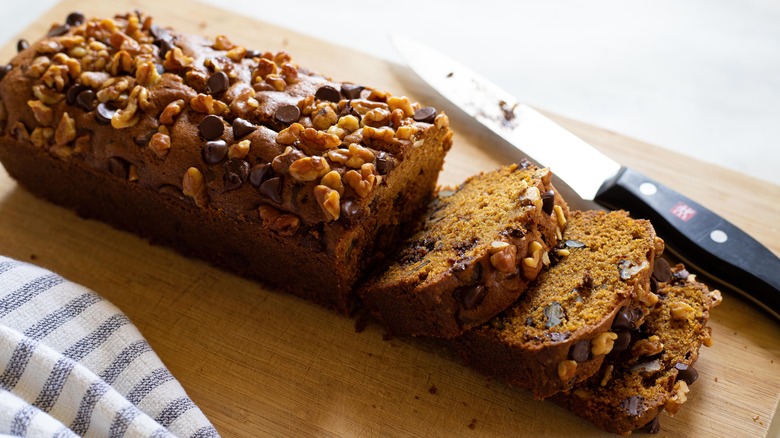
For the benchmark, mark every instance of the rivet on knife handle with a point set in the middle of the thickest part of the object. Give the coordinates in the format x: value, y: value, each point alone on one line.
x: 702, y: 239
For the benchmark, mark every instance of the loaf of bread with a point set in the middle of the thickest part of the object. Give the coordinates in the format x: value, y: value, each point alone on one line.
x: 576, y: 312
x: 479, y: 247
x: 225, y: 152
x: 635, y: 385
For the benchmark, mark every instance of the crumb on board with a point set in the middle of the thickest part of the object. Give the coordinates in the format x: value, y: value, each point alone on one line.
x: 473, y: 424
x: 433, y: 389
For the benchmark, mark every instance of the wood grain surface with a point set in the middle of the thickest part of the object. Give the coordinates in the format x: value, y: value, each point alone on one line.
x: 261, y: 363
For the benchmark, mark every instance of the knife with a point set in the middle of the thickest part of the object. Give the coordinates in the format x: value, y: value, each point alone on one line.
x: 698, y: 236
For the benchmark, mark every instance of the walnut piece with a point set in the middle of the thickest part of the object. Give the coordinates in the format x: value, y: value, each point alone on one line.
x: 160, y: 144
x: 239, y: 150
x: 206, y: 104
x: 567, y: 369
x: 146, y: 74
x: 681, y: 311
x: 679, y: 396
x: 362, y: 183
x: 504, y: 257
x: 329, y: 200
x: 42, y: 113
x: 129, y: 116
x: 194, y: 186
x: 316, y: 142
x: 402, y: 103
x: 41, y: 137
x: 648, y: 347
x: 171, y: 111
x: 332, y: 180
x: 531, y: 265
x: 290, y: 135
x: 66, y: 131
x: 309, y: 168
x: 603, y: 343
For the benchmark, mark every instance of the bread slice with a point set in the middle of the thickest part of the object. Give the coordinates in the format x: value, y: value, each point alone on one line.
x: 576, y: 311
x: 479, y: 247
x: 632, y: 389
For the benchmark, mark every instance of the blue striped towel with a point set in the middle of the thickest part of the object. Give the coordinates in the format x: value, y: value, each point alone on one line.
x: 72, y: 364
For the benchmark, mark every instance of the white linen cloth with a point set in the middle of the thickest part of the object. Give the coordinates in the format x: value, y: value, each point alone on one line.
x: 72, y: 364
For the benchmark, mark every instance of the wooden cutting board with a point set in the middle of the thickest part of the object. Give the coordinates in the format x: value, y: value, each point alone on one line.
x: 261, y: 363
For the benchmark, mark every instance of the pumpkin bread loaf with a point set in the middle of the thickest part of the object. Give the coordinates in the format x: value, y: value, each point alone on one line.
x: 479, y: 247
x: 576, y: 312
x: 635, y: 385
x: 232, y: 154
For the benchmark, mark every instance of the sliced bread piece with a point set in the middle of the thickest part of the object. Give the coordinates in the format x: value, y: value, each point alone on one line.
x: 479, y: 247
x: 576, y: 312
x: 633, y: 387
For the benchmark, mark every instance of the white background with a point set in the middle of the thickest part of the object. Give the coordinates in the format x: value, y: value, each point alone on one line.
x: 701, y: 77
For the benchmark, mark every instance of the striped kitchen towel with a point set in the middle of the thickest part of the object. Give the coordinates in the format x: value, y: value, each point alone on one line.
x: 72, y: 364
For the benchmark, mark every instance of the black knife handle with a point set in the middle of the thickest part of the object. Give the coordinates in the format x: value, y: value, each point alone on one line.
x: 701, y: 238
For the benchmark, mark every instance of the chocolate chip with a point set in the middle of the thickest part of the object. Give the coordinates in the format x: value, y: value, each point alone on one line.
x: 4, y: 70
x: 352, y: 91
x: 242, y: 128
x: 118, y: 167
x: 548, y: 201
x: 214, y: 151
x: 662, y: 271
x: 425, y: 115
x: 143, y: 139
x: 272, y: 189
x: 160, y: 68
x: 86, y: 100
x: 287, y: 114
x: 686, y: 373
x: 471, y: 296
x: 259, y: 173
x: 158, y: 32
x: 251, y: 53
x: 104, y: 113
x: 211, y: 127
x: 622, y: 341
x: 326, y: 92
x: 654, y: 426
x: 166, y: 45
x: 236, y: 173
x: 349, y: 210
x: 626, y: 317
x: 580, y: 351
x: 681, y: 275
x: 653, y: 285
x: 558, y: 336
x: 383, y: 163
x: 73, y: 93
x: 59, y: 30
x: 22, y: 44
x: 553, y: 314
x: 75, y: 19
x: 633, y: 405
x: 217, y: 83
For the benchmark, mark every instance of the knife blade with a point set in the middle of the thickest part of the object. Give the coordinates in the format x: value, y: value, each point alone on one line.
x: 695, y: 234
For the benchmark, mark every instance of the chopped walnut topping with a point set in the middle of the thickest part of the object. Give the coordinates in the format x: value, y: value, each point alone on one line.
x: 66, y: 130
x: 659, y: 246
x: 309, y: 168
x: 384, y: 134
x: 441, y: 121
x: 681, y: 311
x: 112, y: 89
x: 679, y: 396
x: 94, y: 79
x: 72, y: 66
x: 378, y: 95
x: 324, y: 117
x: 239, y: 150
x: 221, y: 42
x: 38, y: 67
x: 349, y: 123
x: 264, y: 68
x: 401, y: 103
x: 289, y: 73
x: 603, y: 343
x: 648, y: 347
x: 376, y: 118
x: 289, y: 135
x: 329, y: 200
x: 504, y: 257
x: 42, y: 113
x: 531, y: 266
x: 194, y: 186
x: 645, y: 295
x: 147, y: 74
x: 715, y: 297
x: 128, y: 117
x: 276, y: 82
x: 160, y: 144
x: 206, y: 104
x: 171, y: 111
x: 56, y: 77
x: 283, y: 223
x: 82, y: 145
x: 47, y: 95
x: 607, y: 375
x: 20, y: 131
x: 332, y: 180
x: 236, y: 54
x: 41, y: 137
x: 560, y: 215
x: 405, y: 132
x: 143, y: 98
x: 567, y: 369
x: 362, y: 183
x: 120, y: 63
x: 176, y: 60
x: 532, y: 196
x: 282, y: 162
x: 358, y: 156
x: 316, y: 142
x: 49, y: 47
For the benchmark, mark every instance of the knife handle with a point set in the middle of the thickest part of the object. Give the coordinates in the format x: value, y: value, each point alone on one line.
x: 701, y: 238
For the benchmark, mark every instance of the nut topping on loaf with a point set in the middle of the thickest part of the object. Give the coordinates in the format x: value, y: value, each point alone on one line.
x: 232, y: 131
